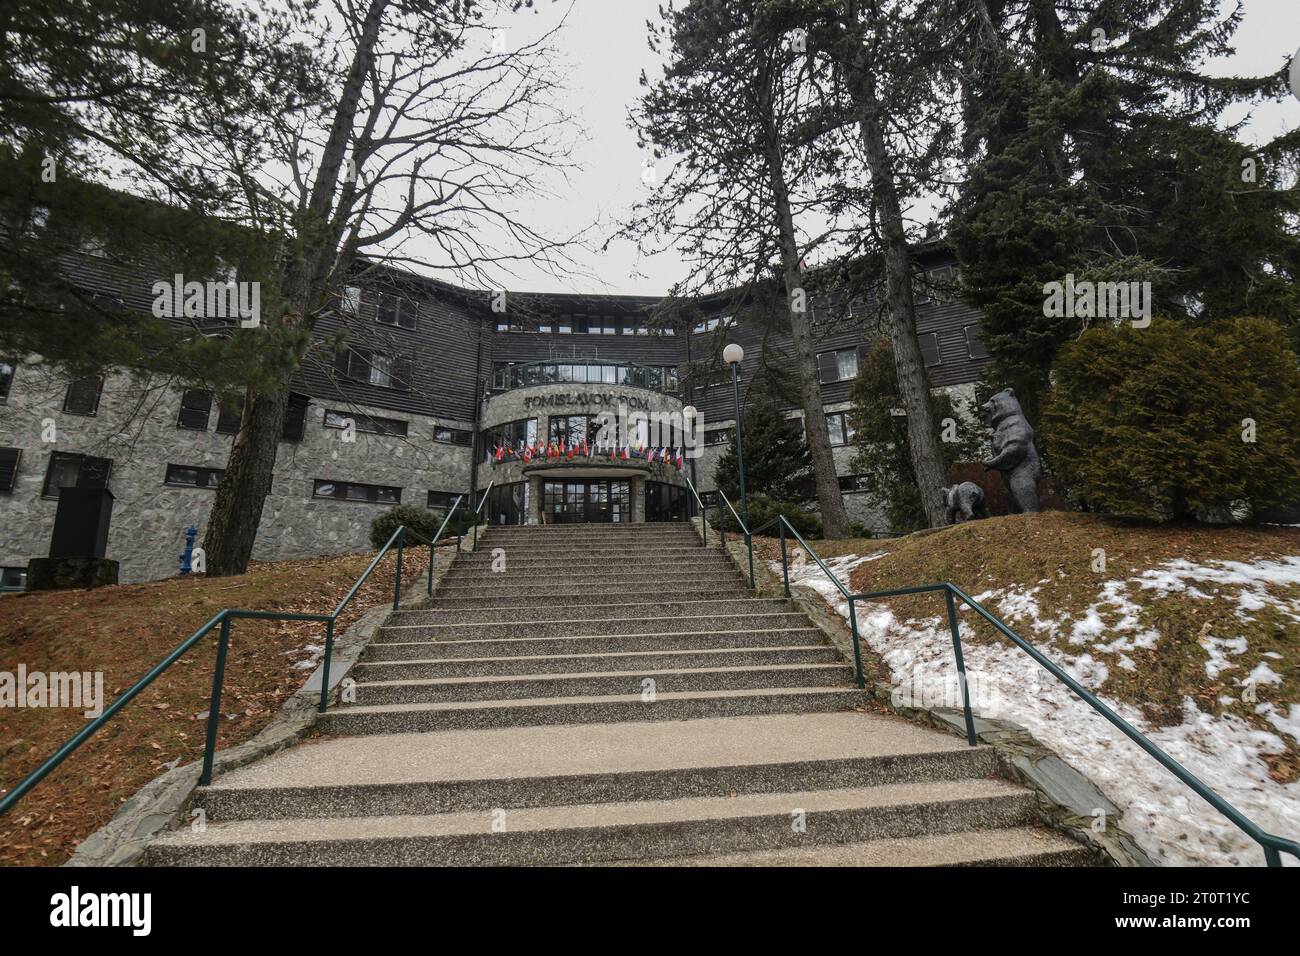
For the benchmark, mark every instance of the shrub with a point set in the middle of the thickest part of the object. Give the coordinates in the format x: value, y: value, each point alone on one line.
x: 763, y: 509
x: 1156, y: 422
x: 422, y: 521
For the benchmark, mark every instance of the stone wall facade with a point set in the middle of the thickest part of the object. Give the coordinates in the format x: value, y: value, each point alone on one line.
x: 136, y: 427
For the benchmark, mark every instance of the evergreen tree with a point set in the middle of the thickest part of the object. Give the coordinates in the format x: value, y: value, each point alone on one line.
x: 777, y: 461
x: 1097, y: 151
x: 880, y: 437
x: 730, y: 109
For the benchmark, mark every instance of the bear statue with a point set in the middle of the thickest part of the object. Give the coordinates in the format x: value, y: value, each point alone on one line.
x: 967, y: 500
x: 1013, y: 451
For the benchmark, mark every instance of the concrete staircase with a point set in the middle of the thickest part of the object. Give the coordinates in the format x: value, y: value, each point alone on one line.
x: 612, y: 694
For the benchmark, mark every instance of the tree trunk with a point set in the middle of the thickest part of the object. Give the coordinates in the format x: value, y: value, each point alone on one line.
x: 835, y: 519
x: 913, y: 385
x: 241, y: 495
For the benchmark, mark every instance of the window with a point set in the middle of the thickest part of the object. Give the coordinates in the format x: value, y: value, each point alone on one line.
x: 189, y: 477
x: 715, y: 322
x: 717, y: 436
x: 355, y: 491
x: 69, y: 470
x: 566, y: 430
x: 396, y: 311
x: 13, y: 579
x: 838, y: 366
x: 9, y: 458
x: 195, y: 408
x: 440, y: 502
x: 974, y: 345
x: 350, y: 300
x: 228, y: 419
x: 852, y: 483
x: 929, y: 343
x: 510, y: 325
x: 375, y: 368
x: 83, y: 396
x: 452, y: 436
x: 515, y: 435
x: 7, y: 367
x: 295, y: 418
x: 366, y: 423
x: 837, y: 423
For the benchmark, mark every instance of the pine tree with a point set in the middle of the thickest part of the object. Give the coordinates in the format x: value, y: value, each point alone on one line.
x: 730, y: 106
x: 1097, y: 151
x: 777, y: 460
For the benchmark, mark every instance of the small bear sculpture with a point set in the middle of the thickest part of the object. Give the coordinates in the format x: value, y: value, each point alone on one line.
x: 1013, y: 451
x: 966, y: 500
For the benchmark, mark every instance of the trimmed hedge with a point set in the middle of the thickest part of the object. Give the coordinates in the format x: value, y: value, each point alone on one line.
x: 762, y: 509
x: 1157, y: 422
x: 420, y: 520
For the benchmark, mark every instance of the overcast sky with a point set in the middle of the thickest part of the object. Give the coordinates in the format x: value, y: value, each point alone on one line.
x: 604, y: 44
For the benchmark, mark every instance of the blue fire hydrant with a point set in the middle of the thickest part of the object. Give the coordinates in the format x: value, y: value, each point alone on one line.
x: 191, y: 533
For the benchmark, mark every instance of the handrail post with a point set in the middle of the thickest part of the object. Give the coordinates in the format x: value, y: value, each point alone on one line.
x: 432, y: 557
x: 961, y: 664
x: 785, y: 566
x: 857, y: 651
x: 325, y: 666
x: 397, y: 579
x: 214, y: 706
x: 749, y: 543
x: 722, y: 526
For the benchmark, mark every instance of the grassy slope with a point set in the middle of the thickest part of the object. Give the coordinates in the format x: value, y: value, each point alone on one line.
x: 1054, y: 552
x: 125, y: 630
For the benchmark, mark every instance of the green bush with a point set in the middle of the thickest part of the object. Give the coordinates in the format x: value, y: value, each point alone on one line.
x: 422, y: 521
x: 1156, y: 422
x: 763, y: 509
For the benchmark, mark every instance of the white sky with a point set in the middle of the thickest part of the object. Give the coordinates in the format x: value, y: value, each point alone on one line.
x: 604, y: 43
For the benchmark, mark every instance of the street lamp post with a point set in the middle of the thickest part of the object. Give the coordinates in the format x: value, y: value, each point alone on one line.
x: 733, y: 355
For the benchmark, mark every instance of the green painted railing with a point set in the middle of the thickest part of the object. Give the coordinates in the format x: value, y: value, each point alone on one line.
x: 223, y: 621
x: 478, y: 512
x: 1272, y: 844
x: 722, y: 525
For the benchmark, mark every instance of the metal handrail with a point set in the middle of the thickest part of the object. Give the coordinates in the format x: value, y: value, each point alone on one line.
x: 1272, y: 844
x: 222, y: 620
x: 749, y: 538
x: 479, y: 510
x: 704, y: 512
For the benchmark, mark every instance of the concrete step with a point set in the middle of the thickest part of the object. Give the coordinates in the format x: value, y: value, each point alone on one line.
x: 595, y: 832
x: 578, y: 561
x: 682, y: 580
x: 466, y: 715
x: 1013, y: 846
x: 620, y: 529
x: 452, y: 771
x: 605, y: 663
x: 589, y: 574
x: 518, y: 597
x: 628, y: 541
x: 599, y: 608
x: 605, y: 552
x: 590, y: 644
x: 527, y: 626
x: 600, y: 683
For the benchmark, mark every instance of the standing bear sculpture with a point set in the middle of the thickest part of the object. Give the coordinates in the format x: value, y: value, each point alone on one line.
x: 1014, y: 453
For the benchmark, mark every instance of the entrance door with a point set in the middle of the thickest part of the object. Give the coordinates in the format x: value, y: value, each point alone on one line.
x: 569, y: 502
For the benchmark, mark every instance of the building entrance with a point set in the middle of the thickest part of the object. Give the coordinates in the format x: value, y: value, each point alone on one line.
x: 569, y: 502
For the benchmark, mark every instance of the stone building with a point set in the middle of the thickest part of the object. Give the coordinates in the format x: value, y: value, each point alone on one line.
x: 432, y: 381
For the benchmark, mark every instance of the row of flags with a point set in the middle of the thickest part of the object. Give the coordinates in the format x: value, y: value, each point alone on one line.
x: 554, y: 451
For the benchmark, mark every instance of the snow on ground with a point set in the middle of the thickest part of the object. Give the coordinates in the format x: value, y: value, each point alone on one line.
x: 1171, y: 823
